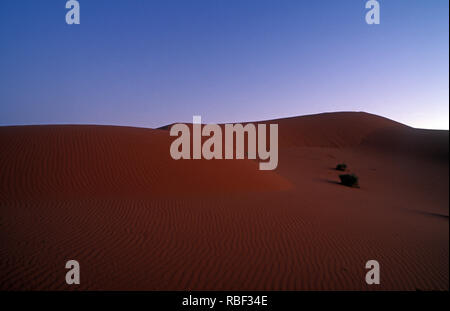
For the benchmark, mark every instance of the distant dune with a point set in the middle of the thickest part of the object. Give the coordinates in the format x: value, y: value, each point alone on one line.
x: 113, y: 199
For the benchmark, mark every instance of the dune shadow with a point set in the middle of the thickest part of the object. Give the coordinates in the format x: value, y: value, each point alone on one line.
x: 329, y: 181
x: 334, y: 182
x: 430, y: 214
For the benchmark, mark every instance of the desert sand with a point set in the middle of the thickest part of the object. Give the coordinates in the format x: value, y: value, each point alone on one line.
x: 113, y: 199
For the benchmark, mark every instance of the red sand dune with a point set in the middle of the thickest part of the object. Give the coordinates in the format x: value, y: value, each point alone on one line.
x: 113, y: 199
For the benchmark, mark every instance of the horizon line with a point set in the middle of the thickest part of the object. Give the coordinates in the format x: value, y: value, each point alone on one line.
x: 226, y: 122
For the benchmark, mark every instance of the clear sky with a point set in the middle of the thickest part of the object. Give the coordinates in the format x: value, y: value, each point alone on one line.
x: 153, y: 62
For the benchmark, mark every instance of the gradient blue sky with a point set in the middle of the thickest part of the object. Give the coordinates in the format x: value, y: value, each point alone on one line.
x: 153, y: 62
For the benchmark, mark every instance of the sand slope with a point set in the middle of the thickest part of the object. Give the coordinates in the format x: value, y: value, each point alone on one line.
x: 76, y: 162
x: 112, y: 198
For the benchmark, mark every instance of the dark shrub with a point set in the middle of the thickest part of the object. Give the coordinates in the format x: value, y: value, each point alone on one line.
x: 350, y: 180
x: 341, y: 167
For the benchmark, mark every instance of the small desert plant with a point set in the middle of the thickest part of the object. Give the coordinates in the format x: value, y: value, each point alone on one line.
x: 341, y: 167
x: 350, y: 180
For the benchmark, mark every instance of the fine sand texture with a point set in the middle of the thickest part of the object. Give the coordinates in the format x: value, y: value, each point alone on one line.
x: 113, y: 199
